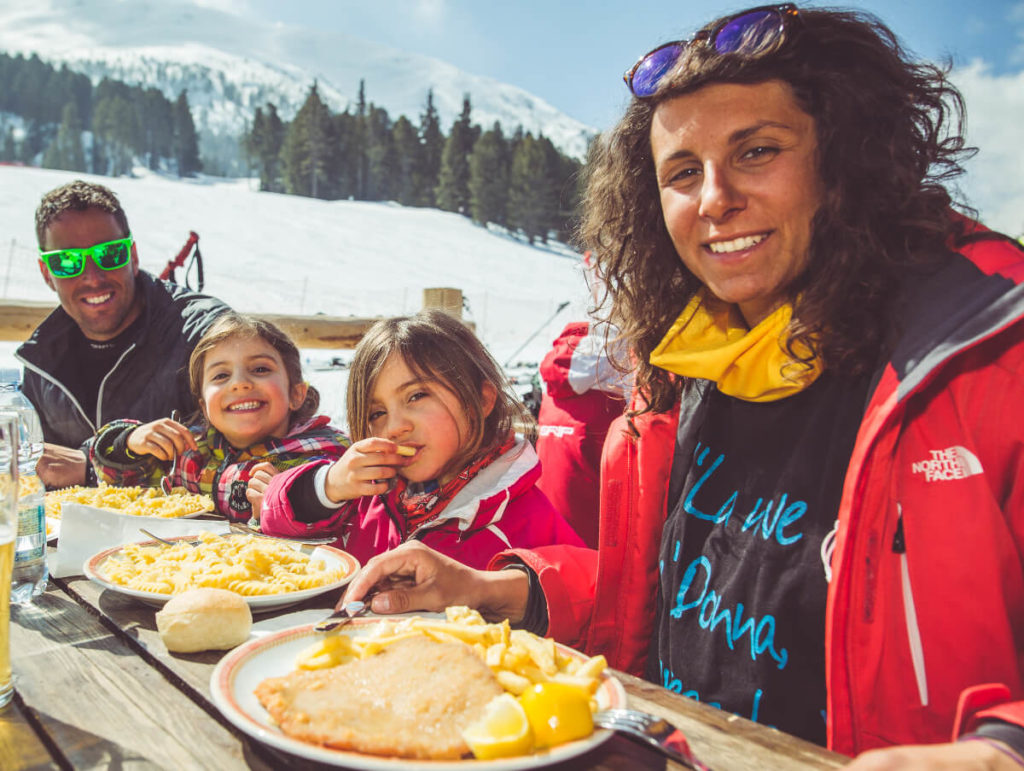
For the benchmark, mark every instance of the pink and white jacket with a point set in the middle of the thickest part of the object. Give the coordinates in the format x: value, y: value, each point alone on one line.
x: 500, y: 508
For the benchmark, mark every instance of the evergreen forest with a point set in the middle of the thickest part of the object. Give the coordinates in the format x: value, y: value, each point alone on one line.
x: 71, y: 124
x: 519, y: 181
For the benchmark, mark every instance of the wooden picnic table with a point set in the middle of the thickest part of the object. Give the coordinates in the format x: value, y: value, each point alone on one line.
x: 95, y: 688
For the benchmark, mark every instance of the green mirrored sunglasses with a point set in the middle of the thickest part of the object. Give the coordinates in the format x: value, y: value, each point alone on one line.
x: 68, y: 263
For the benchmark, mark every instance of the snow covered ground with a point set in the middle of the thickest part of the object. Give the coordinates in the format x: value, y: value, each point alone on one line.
x: 265, y: 252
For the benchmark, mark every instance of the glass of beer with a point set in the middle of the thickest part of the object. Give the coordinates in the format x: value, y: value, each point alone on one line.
x: 9, y: 433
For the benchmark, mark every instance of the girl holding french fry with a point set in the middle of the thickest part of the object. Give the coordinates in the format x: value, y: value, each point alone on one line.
x: 435, y: 459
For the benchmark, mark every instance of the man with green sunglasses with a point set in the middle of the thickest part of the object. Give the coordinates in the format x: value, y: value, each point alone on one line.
x: 68, y: 263
x: 118, y: 345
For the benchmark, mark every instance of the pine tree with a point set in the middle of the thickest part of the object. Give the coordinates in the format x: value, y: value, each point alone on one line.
x: 530, y: 196
x: 305, y: 152
x: 115, y: 132
x: 345, y: 133
x: 452, y: 193
x: 9, y: 149
x: 381, y: 158
x: 186, y: 143
x: 270, y: 151
x: 407, y: 150
x: 156, y: 116
x: 488, y: 177
x: 360, y: 146
x: 262, y: 146
x: 65, y: 152
x: 432, y: 147
x: 251, y: 141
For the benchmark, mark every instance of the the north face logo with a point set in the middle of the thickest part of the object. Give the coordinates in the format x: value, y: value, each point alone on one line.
x: 953, y: 463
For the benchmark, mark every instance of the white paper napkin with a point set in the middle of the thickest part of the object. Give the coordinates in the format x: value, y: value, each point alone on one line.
x: 86, y: 530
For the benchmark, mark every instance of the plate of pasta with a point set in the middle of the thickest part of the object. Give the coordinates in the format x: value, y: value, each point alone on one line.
x: 269, y: 573
x: 137, y: 501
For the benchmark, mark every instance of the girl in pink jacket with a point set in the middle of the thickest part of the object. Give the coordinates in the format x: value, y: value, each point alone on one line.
x: 435, y: 455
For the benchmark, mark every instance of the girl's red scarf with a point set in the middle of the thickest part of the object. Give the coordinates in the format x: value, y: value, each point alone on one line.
x: 420, y: 505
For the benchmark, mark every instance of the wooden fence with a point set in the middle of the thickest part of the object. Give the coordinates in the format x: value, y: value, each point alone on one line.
x: 19, y: 317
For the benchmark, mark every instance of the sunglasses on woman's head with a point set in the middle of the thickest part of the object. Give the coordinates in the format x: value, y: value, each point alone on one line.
x: 68, y: 263
x: 753, y: 32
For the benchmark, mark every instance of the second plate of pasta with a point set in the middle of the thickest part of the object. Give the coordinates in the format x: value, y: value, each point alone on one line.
x: 268, y: 573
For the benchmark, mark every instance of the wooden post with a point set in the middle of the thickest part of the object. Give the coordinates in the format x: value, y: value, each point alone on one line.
x: 447, y: 299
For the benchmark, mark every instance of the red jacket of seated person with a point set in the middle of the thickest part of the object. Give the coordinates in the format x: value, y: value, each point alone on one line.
x: 923, y: 634
x: 583, y: 395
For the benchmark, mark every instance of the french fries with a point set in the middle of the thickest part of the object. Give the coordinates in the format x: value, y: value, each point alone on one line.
x: 406, y: 451
x: 517, y: 658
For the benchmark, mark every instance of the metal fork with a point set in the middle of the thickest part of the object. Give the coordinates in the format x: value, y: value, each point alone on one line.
x: 165, y: 483
x: 651, y: 730
x: 239, y: 529
x: 344, y: 614
x: 155, y: 537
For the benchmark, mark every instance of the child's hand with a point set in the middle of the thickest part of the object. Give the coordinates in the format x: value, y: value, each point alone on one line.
x: 259, y: 478
x: 366, y: 468
x: 163, y: 439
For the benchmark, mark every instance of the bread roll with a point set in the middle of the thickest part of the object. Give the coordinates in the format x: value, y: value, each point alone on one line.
x: 204, y: 619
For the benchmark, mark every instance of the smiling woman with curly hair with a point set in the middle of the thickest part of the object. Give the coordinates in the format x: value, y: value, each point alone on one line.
x: 888, y: 136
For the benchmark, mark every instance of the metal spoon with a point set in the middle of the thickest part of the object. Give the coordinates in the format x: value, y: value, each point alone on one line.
x: 165, y: 483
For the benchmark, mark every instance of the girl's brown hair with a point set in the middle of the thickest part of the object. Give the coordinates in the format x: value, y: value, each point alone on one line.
x: 230, y: 324
x: 437, y: 347
x: 889, y: 135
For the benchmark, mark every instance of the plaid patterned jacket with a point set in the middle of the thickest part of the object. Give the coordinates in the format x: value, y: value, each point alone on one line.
x: 215, y: 468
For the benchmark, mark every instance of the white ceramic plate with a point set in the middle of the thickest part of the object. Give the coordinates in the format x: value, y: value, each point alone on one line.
x: 332, y: 558
x: 52, y: 529
x: 237, y: 674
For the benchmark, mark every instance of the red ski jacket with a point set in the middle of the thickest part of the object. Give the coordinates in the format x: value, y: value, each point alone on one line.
x: 925, y: 612
x: 583, y: 395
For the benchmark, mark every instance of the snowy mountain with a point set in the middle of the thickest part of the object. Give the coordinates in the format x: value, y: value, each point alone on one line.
x: 231, y: 64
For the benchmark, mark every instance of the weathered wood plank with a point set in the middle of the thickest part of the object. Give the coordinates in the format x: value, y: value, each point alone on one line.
x: 102, y: 704
x: 18, y: 318
x: 20, y: 747
x: 723, y: 740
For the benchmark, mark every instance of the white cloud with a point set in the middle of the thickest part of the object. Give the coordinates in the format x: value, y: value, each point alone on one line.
x: 430, y: 11
x: 994, y: 183
x: 233, y: 7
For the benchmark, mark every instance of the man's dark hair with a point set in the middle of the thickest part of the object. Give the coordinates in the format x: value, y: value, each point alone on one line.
x: 77, y: 196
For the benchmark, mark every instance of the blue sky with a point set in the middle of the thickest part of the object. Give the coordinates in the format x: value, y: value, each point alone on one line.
x: 572, y: 52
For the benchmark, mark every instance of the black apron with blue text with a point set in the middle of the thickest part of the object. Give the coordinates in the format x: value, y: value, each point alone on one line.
x: 741, y: 602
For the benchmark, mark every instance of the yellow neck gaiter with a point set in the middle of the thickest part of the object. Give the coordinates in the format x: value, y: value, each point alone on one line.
x: 710, y: 340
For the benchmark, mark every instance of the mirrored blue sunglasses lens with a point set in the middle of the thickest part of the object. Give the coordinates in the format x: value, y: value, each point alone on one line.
x: 750, y: 33
x: 653, y: 68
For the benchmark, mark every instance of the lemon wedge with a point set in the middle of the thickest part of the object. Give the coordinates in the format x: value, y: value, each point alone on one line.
x: 557, y: 713
x: 501, y: 732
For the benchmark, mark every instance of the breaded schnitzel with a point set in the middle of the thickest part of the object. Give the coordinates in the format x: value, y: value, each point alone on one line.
x: 410, y: 700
